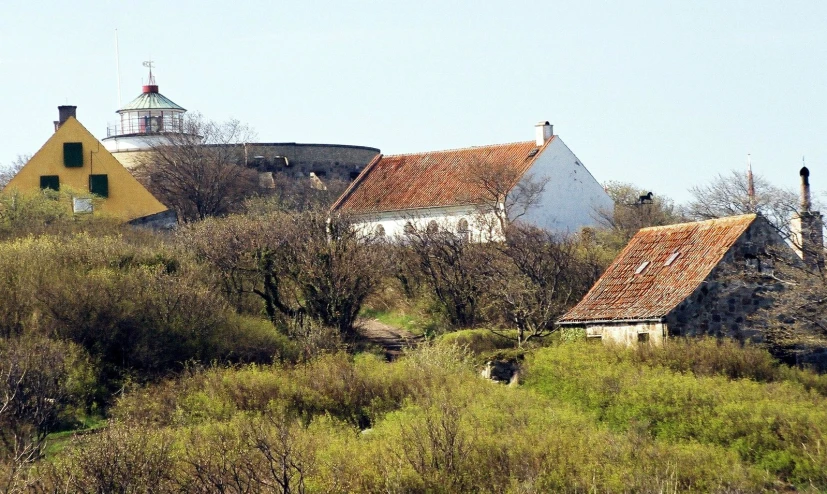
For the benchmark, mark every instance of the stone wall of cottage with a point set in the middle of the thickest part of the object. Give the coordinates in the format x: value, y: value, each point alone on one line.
x: 734, y: 291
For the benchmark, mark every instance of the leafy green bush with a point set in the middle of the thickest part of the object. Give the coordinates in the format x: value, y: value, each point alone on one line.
x: 778, y: 426
x: 436, y: 427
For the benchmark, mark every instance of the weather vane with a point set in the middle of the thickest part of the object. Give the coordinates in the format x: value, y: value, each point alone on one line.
x: 149, y: 64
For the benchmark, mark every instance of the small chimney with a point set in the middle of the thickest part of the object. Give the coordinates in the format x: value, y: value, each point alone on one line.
x: 543, y: 131
x: 64, y: 112
x: 807, y: 228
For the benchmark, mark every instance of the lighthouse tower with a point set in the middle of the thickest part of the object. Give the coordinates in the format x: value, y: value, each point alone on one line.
x: 144, y: 122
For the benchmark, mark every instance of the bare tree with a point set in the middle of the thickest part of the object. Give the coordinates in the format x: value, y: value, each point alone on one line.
x: 298, y: 265
x: 35, y: 387
x: 6, y: 174
x: 456, y: 271
x: 502, y: 191
x: 541, y: 279
x: 793, y: 320
x: 634, y: 209
x: 200, y: 172
x: 727, y: 195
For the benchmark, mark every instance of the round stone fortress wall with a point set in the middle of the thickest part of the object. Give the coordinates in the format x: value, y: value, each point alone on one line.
x: 326, y: 161
x: 297, y: 160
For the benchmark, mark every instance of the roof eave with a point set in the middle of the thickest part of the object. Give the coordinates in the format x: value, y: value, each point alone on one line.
x: 578, y: 322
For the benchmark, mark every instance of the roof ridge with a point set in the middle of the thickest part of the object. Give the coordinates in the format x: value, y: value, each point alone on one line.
x: 460, y: 149
x: 354, y: 185
x: 723, y: 219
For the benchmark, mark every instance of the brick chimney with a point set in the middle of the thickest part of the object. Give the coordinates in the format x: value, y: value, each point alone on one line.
x: 64, y: 112
x: 543, y: 132
x: 807, y: 228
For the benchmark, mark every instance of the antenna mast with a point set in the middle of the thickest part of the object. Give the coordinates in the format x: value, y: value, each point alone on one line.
x: 750, y: 185
x: 118, y: 64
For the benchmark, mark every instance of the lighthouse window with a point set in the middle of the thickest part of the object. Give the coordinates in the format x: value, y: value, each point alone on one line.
x: 73, y: 154
x: 99, y: 185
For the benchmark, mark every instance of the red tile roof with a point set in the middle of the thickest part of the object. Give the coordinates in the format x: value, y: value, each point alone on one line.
x: 620, y: 294
x: 433, y: 179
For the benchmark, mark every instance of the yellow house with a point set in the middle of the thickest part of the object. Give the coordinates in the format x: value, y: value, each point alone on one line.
x: 74, y: 160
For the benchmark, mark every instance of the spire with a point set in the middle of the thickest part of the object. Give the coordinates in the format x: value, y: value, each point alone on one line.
x: 750, y: 185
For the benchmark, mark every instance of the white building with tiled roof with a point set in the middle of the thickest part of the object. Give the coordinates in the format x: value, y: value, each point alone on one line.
x: 462, y: 188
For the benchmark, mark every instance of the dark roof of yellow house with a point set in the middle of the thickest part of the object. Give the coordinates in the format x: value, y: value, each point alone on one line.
x: 659, y: 268
x: 432, y: 179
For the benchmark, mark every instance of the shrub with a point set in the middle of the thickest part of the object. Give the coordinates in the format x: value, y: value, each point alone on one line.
x: 776, y: 426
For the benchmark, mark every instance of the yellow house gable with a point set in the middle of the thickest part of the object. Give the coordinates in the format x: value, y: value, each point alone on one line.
x: 73, y: 159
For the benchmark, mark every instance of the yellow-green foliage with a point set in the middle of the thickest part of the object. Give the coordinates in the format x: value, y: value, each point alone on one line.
x: 479, y: 341
x: 137, y: 308
x: 779, y: 427
x: 434, y: 427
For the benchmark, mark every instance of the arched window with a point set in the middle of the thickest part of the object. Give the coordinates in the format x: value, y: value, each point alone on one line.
x: 380, y: 231
x: 462, y: 228
x: 433, y: 227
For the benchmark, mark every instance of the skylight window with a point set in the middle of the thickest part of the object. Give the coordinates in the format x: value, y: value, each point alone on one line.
x: 641, y: 267
x: 672, y: 258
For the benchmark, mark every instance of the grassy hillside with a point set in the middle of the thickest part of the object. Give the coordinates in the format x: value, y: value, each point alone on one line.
x: 586, y: 418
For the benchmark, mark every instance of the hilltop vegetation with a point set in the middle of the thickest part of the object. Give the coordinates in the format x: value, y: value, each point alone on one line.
x: 586, y: 418
x: 226, y: 357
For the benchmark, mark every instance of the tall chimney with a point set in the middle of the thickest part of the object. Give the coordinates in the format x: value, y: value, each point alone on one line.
x: 64, y: 112
x: 807, y: 228
x: 805, y: 189
x: 750, y: 185
x: 543, y: 132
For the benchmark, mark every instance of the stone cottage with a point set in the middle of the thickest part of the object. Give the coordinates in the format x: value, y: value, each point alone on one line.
x: 683, y: 280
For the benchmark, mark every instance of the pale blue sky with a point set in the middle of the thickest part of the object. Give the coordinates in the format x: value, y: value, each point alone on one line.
x: 664, y: 94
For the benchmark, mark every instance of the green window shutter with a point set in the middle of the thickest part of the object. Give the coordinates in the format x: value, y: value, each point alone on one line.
x: 99, y: 185
x: 73, y: 154
x: 50, y: 182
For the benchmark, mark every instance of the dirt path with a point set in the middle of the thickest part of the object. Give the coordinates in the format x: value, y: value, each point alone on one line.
x: 392, y: 339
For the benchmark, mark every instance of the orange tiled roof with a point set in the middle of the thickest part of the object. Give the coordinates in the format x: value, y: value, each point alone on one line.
x: 432, y: 179
x: 620, y: 294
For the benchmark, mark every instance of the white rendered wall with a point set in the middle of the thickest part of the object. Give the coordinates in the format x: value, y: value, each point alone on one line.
x: 571, y: 196
x: 393, y: 222
x: 132, y: 143
x: 628, y: 334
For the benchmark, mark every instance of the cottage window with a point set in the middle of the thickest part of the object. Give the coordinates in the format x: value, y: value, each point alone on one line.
x: 462, y: 229
x: 73, y: 154
x: 643, y: 337
x: 50, y: 182
x: 433, y: 227
x: 642, y: 267
x: 380, y: 231
x: 672, y: 259
x: 81, y: 205
x: 409, y: 228
x: 99, y: 185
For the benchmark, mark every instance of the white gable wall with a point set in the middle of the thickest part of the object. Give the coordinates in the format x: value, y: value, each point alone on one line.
x: 571, y: 196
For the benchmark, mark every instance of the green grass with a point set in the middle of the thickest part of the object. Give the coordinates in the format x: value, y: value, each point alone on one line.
x: 415, y: 324
x: 57, y: 441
